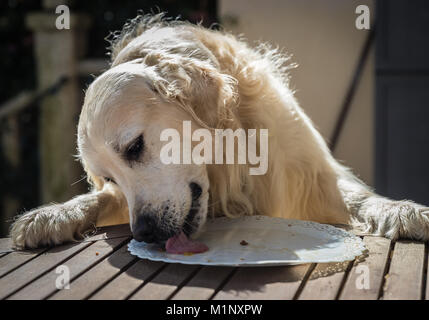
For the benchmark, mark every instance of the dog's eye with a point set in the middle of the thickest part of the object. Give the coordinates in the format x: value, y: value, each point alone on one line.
x: 135, y: 149
x: 107, y: 179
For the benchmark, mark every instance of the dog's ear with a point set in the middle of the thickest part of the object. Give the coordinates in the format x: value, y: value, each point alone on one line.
x: 200, y: 88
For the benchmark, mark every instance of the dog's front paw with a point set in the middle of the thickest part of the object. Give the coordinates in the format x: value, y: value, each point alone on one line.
x: 41, y: 227
x: 394, y: 219
x: 415, y: 222
x: 404, y: 219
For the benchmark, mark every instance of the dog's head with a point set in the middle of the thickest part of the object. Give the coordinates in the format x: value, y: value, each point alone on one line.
x: 124, y: 113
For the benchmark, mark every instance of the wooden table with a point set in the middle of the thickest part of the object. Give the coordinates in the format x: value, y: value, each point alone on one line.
x: 100, y: 267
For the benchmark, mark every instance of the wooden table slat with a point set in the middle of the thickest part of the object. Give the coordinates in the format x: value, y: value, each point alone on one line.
x: 110, y: 232
x: 16, y: 259
x: 427, y: 271
x: 264, y: 283
x: 46, y: 285
x: 5, y: 245
x: 204, y: 284
x: 165, y: 283
x: 375, y: 267
x: 128, y: 281
x: 327, y: 281
x: 97, y: 276
x: 38, y: 266
x: 405, y: 276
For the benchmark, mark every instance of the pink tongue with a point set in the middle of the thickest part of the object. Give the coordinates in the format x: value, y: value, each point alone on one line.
x: 181, y: 244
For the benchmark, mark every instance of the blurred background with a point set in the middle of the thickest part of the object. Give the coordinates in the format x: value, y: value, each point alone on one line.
x: 367, y: 91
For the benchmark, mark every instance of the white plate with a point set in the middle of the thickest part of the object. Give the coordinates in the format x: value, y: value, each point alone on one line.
x: 271, y: 241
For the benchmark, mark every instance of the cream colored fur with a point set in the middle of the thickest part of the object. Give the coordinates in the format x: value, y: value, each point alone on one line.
x: 171, y: 71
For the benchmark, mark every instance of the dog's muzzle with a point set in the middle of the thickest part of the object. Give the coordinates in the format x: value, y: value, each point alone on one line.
x: 148, y: 227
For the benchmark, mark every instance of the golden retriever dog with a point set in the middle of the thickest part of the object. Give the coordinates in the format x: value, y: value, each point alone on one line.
x: 165, y: 72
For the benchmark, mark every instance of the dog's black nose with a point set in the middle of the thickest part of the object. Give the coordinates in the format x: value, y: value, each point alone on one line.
x: 196, y: 190
x: 145, y: 229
